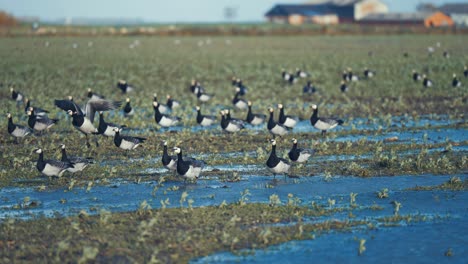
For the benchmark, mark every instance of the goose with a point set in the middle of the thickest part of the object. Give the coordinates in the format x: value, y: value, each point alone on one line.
x: 17, y: 96
x: 323, y: 123
x: 171, y: 103
x: 277, y: 165
x: 455, y: 81
x: 229, y: 125
x: 204, y: 97
x: 465, y: 71
x: 351, y: 76
x: 38, y: 111
x: 344, y: 87
x: 416, y: 76
x: 446, y: 54
x: 93, y: 95
x: 275, y: 128
x: 301, y: 74
x: 234, y: 81
x: 426, y: 81
x: 237, y: 102
x: 128, y: 110
x: 50, y: 167
x: 189, y: 168
x: 286, y: 120
x: 285, y: 75
x: 91, y: 107
x: 169, y: 162
x: 162, y: 119
x: 298, y: 154
x: 195, y: 86
x: 345, y: 76
x: 309, y: 88
x: 368, y: 73
x: 126, y: 142
x: 124, y: 86
x: 40, y: 123
x: 230, y: 119
x: 242, y: 88
x: 17, y: 131
x: 204, y: 120
x: 83, y: 124
x: 106, y: 129
x: 254, y: 119
x: 79, y: 163
x: 162, y: 107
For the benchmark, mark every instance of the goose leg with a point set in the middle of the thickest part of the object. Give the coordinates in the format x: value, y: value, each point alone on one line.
x: 87, y: 141
x: 323, y: 133
x: 96, y: 140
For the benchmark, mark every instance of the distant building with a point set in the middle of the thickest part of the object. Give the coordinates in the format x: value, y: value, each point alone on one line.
x: 436, y: 19
x: 458, y: 13
x: 325, y: 12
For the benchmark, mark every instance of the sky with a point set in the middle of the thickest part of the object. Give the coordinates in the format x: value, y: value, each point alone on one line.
x: 165, y: 11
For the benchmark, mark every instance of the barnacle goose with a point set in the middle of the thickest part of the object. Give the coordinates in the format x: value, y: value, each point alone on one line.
x: 126, y: 142
x: 204, y: 120
x: 465, y: 71
x: 242, y: 88
x: 254, y: 119
x: 203, y: 97
x: 38, y: 111
x: 323, y: 123
x: 40, y: 123
x: 343, y: 87
x: 171, y: 103
x: 298, y: 154
x: 91, y: 107
x: 106, y: 129
x: 351, y: 76
x: 83, y: 124
x: 285, y: 75
x: 277, y: 165
x: 446, y: 54
x: 426, y: 81
x: 162, y: 119
x: 301, y: 74
x: 237, y: 102
x: 275, y: 128
x: 78, y: 163
x: 455, y: 81
x: 188, y: 168
x: 124, y: 86
x: 51, y: 167
x: 170, y: 162
x: 195, y: 86
x: 17, y: 131
x: 309, y: 88
x: 416, y: 76
x: 345, y: 76
x: 227, y: 112
x: 368, y: 73
x: 286, y: 120
x: 162, y: 107
x: 230, y: 125
x: 128, y: 110
x: 17, y: 96
x: 93, y: 95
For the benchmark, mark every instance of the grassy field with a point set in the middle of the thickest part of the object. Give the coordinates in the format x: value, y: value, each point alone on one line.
x: 166, y: 66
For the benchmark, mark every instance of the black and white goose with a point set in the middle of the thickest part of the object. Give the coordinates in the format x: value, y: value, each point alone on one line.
x: 275, y: 128
x: 229, y: 125
x: 128, y: 109
x: 124, y: 86
x: 309, y: 88
x: 106, y: 129
x: 162, y: 119
x: 344, y: 87
x: 204, y: 120
x: 38, y: 111
x: 254, y: 119
x: 275, y: 164
x: 169, y: 162
x: 195, y: 86
x: 285, y: 75
x: 171, y: 103
x: 301, y: 74
x: 465, y: 71
x: 298, y: 154
x: 17, y: 131
x: 51, y: 167
x: 345, y: 76
x: 91, y: 107
x: 40, y: 123
x: 427, y: 82
x: 446, y: 54
x: 203, y: 97
x: 17, y: 96
x: 78, y: 163
x: 323, y: 123
x: 162, y: 107
x: 416, y: 76
x: 126, y: 142
x: 455, y: 81
x: 83, y: 124
x: 189, y: 168
x: 93, y: 95
x: 352, y: 77
x: 368, y: 73
x: 238, y: 102
x: 286, y: 120
x: 242, y: 88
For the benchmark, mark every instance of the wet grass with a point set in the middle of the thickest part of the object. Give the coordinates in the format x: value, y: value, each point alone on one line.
x: 454, y: 184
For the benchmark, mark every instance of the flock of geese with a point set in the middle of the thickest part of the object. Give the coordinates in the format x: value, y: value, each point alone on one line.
x: 83, y: 120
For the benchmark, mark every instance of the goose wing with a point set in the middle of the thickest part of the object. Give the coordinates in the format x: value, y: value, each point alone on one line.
x: 94, y: 105
x: 60, y: 164
x: 66, y: 105
x: 331, y: 121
